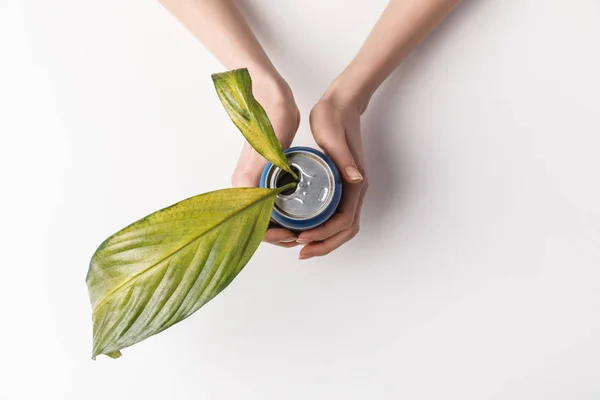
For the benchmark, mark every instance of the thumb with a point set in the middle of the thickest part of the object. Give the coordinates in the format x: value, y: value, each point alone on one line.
x: 249, y: 168
x: 344, y: 160
x: 247, y: 178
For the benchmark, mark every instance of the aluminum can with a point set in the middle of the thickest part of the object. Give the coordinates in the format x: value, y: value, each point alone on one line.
x: 316, y: 196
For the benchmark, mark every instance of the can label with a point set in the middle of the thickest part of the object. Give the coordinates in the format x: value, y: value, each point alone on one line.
x: 316, y: 196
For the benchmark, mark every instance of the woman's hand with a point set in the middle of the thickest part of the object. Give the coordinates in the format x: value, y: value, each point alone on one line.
x: 335, y: 120
x: 335, y: 124
x: 222, y: 28
x: 276, y: 98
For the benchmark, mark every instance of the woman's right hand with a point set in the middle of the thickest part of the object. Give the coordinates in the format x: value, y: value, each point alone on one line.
x: 335, y: 124
x: 276, y: 97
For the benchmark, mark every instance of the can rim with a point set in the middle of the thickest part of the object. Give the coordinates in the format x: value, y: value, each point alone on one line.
x: 312, y: 222
x: 275, y: 172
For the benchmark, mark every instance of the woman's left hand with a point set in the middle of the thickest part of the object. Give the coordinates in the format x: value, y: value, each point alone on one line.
x: 335, y: 125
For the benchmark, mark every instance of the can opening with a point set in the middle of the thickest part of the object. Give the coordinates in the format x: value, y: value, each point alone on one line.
x: 284, y: 178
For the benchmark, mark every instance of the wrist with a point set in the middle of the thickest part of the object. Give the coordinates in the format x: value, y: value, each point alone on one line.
x: 269, y: 86
x: 346, y: 91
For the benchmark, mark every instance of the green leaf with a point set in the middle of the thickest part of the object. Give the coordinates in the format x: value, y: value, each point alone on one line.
x: 162, y: 268
x: 235, y: 91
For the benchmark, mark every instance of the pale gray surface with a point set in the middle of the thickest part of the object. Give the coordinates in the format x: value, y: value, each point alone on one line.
x: 477, y: 271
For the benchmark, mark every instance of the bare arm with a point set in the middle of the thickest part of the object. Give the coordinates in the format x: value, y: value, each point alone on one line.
x: 335, y: 120
x: 402, y: 26
x: 221, y: 27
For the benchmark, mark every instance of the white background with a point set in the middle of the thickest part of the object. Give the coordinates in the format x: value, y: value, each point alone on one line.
x: 477, y: 271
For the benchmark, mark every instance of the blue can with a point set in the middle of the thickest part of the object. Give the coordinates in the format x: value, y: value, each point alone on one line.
x: 315, y: 198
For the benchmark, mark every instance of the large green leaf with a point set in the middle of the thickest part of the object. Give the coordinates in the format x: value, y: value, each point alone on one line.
x: 235, y: 91
x: 162, y: 268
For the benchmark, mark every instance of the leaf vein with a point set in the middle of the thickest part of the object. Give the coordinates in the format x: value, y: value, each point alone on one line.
x: 130, y: 280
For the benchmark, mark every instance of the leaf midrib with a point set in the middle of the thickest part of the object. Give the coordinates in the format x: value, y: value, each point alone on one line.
x: 104, y: 299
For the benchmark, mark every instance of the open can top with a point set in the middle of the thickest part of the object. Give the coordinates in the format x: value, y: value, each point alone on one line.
x: 317, y: 194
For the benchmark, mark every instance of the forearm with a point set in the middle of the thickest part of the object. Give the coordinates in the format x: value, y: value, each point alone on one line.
x: 401, y: 27
x: 221, y: 27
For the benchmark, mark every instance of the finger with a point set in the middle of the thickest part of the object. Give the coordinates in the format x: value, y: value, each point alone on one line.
x: 339, y: 222
x: 343, y: 219
x: 359, y: 205
x: 286, y: 245
x: 336, y: 147
x: 344, y: 160
x: 249, y: 168
x: 325, y: 247
x: 279, y: 235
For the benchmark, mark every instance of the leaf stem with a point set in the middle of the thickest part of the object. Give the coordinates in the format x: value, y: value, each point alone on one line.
x: 290, y: 185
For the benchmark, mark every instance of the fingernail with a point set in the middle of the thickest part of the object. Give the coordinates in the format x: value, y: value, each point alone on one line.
x: 304, y: 256
x: 303, y: 241
x: 288, y: 240
x: 353, y: 174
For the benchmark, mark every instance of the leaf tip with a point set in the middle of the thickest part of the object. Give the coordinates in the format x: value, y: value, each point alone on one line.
x: 114, y: 354
x: 111, y: 354
x: 216, y: 77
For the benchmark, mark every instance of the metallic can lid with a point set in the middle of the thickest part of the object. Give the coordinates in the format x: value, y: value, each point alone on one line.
x: 314, y: 192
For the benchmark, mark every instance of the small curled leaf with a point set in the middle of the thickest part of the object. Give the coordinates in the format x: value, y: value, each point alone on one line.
x: 234, y: 89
